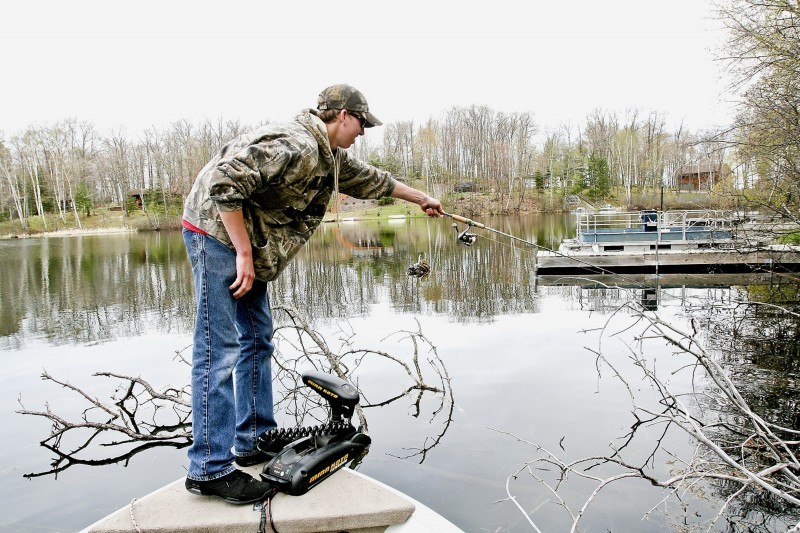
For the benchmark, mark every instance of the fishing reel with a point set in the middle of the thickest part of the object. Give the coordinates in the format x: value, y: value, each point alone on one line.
x: 465, y: 238
x: 316, y: 452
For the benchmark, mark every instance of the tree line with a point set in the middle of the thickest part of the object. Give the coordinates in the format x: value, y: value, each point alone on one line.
x: 68, y: 167
x: 762, y: 52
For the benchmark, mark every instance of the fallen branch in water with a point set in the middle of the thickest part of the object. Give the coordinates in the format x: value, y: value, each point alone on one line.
x: 739, y: 452
x: 139, y: 416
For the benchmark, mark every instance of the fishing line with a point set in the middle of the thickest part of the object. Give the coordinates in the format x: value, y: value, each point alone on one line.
x: 472, y: 223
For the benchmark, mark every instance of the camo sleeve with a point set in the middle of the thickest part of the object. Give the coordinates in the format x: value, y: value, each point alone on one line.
x: 361, y: 180
x: 249, y: 170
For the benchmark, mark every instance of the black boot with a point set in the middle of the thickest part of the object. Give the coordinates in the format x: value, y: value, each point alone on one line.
x: 237, y: 487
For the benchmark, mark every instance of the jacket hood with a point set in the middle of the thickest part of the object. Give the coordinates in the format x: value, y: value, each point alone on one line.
x: 309, y: 119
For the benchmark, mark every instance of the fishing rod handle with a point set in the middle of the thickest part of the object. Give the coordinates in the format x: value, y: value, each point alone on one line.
x: 464, y: 220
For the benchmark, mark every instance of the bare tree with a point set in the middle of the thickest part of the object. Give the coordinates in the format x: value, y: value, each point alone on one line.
x: 27, y: 149
x: 15, y: 187
x: 762, y: 52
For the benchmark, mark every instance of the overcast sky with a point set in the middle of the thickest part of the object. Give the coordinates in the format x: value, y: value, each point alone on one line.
x: 151, y: 62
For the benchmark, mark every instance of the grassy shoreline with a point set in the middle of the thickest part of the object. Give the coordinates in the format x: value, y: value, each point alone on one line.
x: 100, y: 221
x: 107, y: 222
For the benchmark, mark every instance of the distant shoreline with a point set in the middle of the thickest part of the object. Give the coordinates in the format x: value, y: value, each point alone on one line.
x: 72, y: 232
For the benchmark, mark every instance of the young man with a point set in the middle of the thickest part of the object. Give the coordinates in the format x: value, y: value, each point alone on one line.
x: 250, y: 210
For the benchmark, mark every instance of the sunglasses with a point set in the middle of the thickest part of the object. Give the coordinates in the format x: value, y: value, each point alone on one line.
x: 362, y: 120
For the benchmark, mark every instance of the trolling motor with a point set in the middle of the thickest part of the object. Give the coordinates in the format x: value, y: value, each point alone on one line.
x: 315, y: 453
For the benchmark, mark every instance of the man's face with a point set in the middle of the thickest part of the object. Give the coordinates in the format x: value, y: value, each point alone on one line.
x: 353, y: 127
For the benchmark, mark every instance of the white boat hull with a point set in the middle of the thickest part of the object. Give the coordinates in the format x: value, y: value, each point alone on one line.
x: 347, y: 501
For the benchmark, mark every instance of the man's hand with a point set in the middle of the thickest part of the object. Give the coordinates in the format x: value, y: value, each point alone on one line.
x: 245, y: 271
x: 245, y: 275
x: 431, y: 206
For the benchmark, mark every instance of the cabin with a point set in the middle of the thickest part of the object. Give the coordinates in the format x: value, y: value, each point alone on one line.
x: 466, y: 186
x: 173, y: 194
x: 701, y: 176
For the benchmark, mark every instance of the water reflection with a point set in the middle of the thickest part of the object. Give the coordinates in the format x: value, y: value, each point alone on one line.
x: 756, y: 511
x: 96, y: 288
x: 347, y: 267
x: 607, y: 293
x: 92, y: 288
x: 138, y: 416
x: 751, y: 323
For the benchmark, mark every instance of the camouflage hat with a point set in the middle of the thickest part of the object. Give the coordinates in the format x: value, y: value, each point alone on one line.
x: 343, y: 96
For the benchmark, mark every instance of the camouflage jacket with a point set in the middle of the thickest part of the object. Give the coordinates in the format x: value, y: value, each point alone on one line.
x: 281, y: 176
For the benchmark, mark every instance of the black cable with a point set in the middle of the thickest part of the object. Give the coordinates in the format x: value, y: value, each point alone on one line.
x: 269, y: 512
x: 266, y: 511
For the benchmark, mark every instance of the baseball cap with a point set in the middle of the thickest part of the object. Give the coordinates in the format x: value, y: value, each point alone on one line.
x: 343, y: 96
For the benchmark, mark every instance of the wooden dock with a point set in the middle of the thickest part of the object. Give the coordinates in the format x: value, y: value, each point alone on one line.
x: 760, y: 259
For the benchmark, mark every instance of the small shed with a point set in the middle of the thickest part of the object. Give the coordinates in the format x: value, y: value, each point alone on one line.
x: 466, y: 186
x: 700, y: 176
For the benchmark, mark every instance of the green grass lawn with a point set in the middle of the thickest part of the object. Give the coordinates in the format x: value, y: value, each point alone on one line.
x: 398, y: 208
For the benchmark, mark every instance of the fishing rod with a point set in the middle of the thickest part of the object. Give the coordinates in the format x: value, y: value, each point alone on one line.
x: 421, y: 268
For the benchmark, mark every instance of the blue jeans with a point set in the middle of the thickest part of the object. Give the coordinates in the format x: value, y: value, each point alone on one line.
x: 231, y: 362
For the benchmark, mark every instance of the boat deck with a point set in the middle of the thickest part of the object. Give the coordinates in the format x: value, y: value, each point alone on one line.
x: 347, y: 501
x: 649, y: 229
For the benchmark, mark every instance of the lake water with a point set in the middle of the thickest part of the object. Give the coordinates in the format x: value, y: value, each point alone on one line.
x: 520, y: 354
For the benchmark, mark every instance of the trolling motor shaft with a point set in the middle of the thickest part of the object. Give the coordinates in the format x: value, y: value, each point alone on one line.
x: 315, y: 453
x: 342, y: 399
